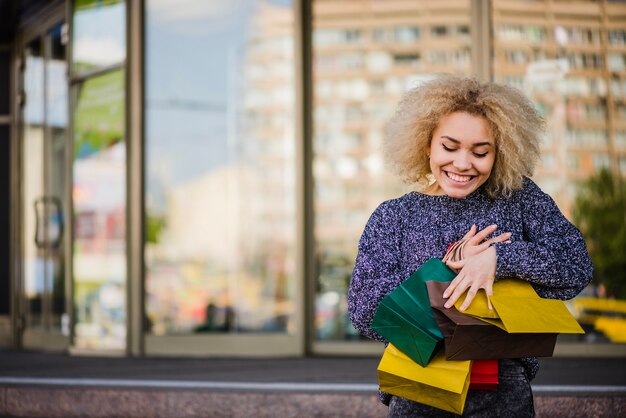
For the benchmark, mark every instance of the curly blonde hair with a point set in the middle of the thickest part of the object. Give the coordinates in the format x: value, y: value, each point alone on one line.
x: 514, y: 124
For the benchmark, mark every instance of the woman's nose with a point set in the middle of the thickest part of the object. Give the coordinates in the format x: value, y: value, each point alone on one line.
x: 462, y: 161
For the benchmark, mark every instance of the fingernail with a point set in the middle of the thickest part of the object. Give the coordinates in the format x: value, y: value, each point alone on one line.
x: 494, y: 226
x: 446, y: 305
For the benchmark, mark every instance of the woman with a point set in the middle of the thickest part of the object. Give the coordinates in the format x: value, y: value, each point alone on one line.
x: 470, y: 148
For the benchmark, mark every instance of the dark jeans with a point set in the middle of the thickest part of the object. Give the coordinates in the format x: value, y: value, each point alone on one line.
x: 512, y: 399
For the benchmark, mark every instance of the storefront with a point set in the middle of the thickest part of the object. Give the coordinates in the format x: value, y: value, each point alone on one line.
x: 192, y: 177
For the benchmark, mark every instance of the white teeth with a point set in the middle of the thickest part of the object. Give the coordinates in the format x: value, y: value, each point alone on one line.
x: 456, y: 177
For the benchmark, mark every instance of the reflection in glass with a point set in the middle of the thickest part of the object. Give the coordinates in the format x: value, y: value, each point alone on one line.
x: 55, y: 179
x: 365, y: 56
x: 561, y: 64
x: 99, y: 195
x: 220, y: 188
x: 43, y: 149
x: 34, y: 261
x: 99, y: 35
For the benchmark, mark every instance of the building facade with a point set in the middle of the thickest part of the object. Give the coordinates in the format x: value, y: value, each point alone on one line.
x: 192, y: 177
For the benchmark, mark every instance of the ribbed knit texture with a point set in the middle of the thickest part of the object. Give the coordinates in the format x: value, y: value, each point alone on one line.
x: 403, y: 233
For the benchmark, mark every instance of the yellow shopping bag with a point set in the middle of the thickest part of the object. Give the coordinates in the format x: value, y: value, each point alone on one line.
x: 518, y: 309
x: 442, y: 384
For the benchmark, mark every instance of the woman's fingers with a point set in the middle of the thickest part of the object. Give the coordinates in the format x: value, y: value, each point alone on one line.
x: 505, y: 237
x: 452, y: 286
x: 451, y: 301
x: 500, y: 238
x: 471, y: 293
x: 454, y: 291
x: 481, y: 235
x: 489, y: 291
x: 470, y: 233
x: 455, y: 265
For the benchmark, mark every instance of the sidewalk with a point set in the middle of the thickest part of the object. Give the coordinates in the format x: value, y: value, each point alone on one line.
x: 37, y: 384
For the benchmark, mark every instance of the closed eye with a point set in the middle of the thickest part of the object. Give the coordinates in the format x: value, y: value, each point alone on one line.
x: 481, y: 154
x: 448, y: 148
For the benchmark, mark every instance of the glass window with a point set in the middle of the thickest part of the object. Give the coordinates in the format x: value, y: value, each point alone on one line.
x: 349, y: 175
x: 564, y: 35
x: 406, y: 59
x: 573, y: 161
x: 463, y: 31
x: 616, y: 61
x: 220, y: 177
x: 617, y: 37
x: 569, y: 75
x: 99, y: 196
x: 99, y: 173
x: 56, y: 169
x: 378, y: 61
x: 439, y: 31
x: 99, y: 35
x: 407, y: 34
x: 32, y: 175
x: 600, y: 161
x: 620, y: 140
x: 43, y: 145
x: 334, y: 36
x: 381, y: 35
x: 509, y: 32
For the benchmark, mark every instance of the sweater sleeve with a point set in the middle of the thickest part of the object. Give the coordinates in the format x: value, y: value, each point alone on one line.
x: 376, y: 271
x: 552, y: 254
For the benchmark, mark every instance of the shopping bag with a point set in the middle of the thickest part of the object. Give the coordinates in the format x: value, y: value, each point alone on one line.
x: 404, y: 316
x: 484, y: 375
x: 442, y: 384
x: 469, y: 338
x: 518, y: 309
x: 455, y: 251
x: 397, y: 326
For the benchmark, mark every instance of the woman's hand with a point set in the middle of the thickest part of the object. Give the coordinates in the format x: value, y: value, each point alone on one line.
x: 476, y: 272
x: 475, y: 243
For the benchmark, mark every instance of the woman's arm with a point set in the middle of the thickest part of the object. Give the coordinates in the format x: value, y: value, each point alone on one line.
x: 376, y: 271
x: 552, y: 254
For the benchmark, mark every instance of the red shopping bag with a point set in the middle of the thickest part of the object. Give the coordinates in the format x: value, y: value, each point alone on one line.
x: 484, y: 375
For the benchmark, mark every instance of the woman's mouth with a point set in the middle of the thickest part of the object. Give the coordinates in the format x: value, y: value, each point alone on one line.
x: 458, y: 178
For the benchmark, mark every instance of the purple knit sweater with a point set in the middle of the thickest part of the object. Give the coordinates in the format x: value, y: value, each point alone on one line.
x: 403, y: 233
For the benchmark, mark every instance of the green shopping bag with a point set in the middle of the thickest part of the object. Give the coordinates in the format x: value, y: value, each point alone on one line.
x: 404, y: 317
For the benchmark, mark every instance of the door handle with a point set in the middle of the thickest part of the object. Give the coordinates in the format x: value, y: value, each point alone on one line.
x: 48, y: 222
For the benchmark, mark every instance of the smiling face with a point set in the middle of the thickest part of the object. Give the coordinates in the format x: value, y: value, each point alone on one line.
x: 462, y: 154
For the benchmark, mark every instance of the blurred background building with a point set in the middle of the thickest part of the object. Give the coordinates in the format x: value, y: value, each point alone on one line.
x: 192, y: 177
